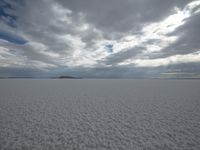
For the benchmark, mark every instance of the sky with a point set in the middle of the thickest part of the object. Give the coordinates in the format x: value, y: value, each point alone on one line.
x: 99, y: 38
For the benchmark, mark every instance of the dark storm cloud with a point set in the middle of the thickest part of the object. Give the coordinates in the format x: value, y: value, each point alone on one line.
x: 93, y: 38
x: 122, y: 15
x: 113, y: 59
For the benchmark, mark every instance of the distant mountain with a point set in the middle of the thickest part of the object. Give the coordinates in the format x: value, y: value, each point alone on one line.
x: 68, y: 77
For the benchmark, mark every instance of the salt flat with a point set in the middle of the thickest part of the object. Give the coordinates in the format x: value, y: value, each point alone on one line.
x: 99, y: 114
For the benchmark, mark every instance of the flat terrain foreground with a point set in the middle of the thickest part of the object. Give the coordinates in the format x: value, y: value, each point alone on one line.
x: 99, y: 114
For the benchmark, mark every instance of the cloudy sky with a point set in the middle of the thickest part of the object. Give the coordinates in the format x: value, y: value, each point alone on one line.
x: 99, y: 38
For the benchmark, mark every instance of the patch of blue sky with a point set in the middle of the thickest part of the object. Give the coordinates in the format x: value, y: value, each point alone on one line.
x: 109, y: 48
x: 5, y: 16
x: 16, y: 39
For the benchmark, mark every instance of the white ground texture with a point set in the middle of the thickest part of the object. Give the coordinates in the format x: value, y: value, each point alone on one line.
x: 99, y: 114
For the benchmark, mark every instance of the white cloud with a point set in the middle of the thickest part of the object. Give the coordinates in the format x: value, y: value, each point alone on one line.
x: 10, y: 59
x: 176, y: 59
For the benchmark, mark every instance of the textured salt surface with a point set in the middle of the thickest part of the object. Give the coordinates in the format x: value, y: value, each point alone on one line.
x: 100, y: 114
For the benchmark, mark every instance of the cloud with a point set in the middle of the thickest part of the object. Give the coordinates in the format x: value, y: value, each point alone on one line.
x: 122, y: 15
x: 175, y: 59
x: 115, y: 38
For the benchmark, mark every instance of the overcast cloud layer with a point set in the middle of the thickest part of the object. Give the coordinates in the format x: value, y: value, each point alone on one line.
x: 93, y: 38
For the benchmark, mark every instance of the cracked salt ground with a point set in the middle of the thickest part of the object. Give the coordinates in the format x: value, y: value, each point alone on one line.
x: 100, y: 114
